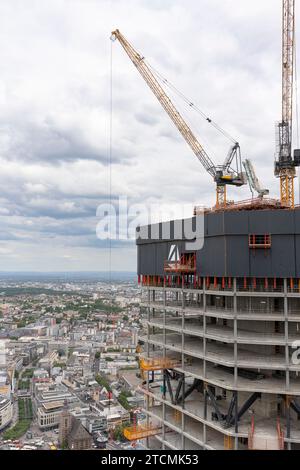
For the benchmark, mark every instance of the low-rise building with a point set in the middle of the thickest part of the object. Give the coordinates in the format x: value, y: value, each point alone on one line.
x: 48, y: 415
x: 49, y: 402
x: 6, y: 412
x: 72, y: 433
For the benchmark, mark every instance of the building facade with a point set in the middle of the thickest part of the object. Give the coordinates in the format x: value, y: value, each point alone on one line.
x: 72, y: 434
x: 6, y: 412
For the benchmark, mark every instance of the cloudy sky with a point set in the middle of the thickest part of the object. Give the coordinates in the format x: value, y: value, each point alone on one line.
x: 55, y: 79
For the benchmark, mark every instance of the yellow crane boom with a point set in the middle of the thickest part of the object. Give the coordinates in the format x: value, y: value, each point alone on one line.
x: 222, y: 175
x: 285, y: 165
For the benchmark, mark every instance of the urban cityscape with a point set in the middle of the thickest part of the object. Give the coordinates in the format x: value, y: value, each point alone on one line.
x: 69, y: 370
x: 149, y: 239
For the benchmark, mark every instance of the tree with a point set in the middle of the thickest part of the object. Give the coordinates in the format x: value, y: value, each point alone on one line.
x: 118, y: 433
x: 122, y: 399
x: 103, y: 382
x: 64, y: 445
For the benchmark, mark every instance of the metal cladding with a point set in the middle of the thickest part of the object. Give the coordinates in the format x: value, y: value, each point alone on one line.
x: 227, y: 250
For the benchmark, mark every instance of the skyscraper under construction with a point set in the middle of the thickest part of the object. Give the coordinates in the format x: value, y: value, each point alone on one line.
x: 220, y: 359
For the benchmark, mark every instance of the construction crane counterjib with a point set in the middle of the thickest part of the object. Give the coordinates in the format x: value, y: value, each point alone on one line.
x: 222, y: 175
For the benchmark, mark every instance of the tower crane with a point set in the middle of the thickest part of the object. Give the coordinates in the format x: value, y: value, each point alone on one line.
x: 286, y: 163
x: 230, y: 173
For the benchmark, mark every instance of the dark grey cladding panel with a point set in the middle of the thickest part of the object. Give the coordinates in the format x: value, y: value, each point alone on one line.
x: 211, y: 259
x: 162, y: 253
x: 148, y: 259
x: 260, y: 263
x: 152, y: 256
x: 236, y: 223
x: 297, y: 248
x: 259, y: 222
x: 138, y: 261
x: 283, y: 256
x: 237, y: 256
x: 297, y: 221
x: 230, y: 255
x: 214, y: 224
x: 282, y: 222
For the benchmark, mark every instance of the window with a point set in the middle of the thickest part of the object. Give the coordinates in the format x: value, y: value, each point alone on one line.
x: 260, y: 241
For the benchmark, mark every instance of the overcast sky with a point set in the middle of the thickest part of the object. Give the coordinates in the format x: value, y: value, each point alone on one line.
x: 54, y: 122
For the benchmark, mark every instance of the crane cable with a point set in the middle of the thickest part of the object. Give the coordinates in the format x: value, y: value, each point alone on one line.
x: 191, y: 104
x: 110, y: 157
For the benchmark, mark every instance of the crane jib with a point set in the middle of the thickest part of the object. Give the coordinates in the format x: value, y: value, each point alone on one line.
x: 229, y: 175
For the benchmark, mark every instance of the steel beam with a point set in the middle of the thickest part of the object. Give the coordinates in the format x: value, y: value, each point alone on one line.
x: 245, y: 407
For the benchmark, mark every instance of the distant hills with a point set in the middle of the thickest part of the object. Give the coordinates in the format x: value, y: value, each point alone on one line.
x: 92, y: 276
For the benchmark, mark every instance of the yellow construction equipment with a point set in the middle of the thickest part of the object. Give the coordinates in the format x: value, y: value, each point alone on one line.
x: 230, y: 173
x: 151, y: 365
x: 285, y: 165
x: 177, y: 416
x: 228, y: 443
x: 134, y: 433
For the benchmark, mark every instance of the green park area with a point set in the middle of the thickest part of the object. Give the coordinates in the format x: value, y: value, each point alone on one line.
x: 24, y: 420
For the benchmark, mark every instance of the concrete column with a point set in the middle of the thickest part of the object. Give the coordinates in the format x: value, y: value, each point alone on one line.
x: 204, y: 328
x: 286, y: 335
x: 164, y: 332
x: 236, y: 423
x: 182, y: 340
x: 183, y: 392
x: 288, y: 417
x: 164, y: 427
x: 205, y: 417
x: 182, y: 431
x: 235, y: 333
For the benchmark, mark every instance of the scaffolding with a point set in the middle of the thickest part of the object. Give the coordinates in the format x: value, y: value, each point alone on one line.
x: 186, y: 264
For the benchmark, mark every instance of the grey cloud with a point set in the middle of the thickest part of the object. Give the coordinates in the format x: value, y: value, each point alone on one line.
x: 54, y: 98
x: 47, y: 142
x: 147, y: 119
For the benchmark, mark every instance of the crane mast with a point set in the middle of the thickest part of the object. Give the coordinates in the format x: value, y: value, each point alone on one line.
x: 222, y: 175
x: 285, y: 165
